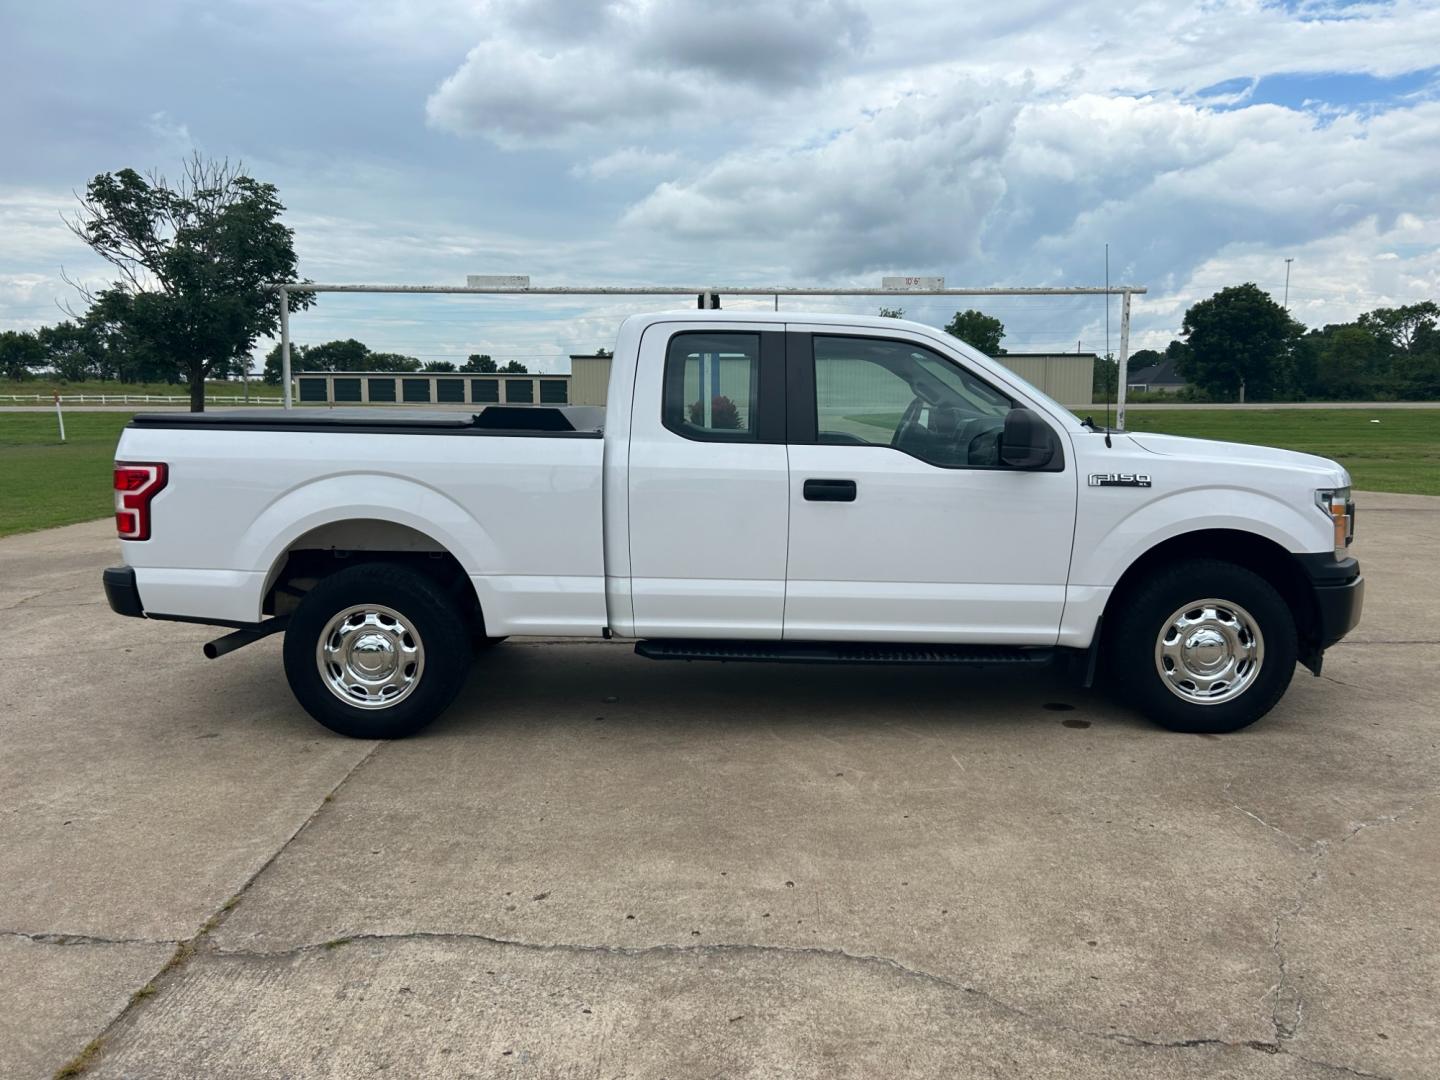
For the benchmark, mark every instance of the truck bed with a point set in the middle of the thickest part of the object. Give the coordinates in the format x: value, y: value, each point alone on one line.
x: 585, y: 421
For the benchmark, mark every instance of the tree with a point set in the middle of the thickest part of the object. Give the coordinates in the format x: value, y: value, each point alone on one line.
x: 979, y: 330
x: 439, y: 365
x: 1347, y: 363
x: 1104, y: 378
x: 346, y: 355
x: 1240, y: 337
x: 892, y: 312
x: 1143, y: 358
x: 72, y: 350
x: 20, y: 351
x: 194, y: 259
x: 479, y: 363
x: 392, y: 361
x: 515, y: 367
x: 604, y: 352
x: 1399, y: 327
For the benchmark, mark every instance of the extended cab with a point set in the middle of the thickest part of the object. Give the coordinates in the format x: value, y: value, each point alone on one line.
x: 797, y: 487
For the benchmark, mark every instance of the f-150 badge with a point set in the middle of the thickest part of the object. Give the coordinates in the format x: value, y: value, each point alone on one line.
x: 1119, y: 479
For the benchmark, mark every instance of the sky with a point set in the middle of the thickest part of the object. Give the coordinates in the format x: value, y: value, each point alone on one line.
x: 794, y: 142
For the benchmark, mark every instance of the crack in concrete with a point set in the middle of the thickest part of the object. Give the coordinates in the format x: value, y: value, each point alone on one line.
x: 1287, y: 1009
x: 187, y: 948
x: 717, y: 948
x: 61, y: 938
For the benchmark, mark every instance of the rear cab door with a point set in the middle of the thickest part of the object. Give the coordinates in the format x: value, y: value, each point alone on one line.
x: 707, y: 486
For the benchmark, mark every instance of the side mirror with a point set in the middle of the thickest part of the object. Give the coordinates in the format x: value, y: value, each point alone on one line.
x: 1027, y: 441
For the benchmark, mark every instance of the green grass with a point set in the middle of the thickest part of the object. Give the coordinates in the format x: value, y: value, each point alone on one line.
x: 1399, y: 453
x: 44, y: 483
x: 46, y: 386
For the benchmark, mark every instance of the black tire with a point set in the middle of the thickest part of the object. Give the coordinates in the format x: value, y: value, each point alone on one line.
x: 423, y: 605
x: 1142, y: 614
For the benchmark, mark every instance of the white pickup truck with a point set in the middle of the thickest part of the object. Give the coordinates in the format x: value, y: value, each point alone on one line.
x: 811, y: 488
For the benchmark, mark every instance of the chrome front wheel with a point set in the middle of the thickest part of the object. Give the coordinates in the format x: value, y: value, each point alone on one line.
x: 370, y: 656
x: 1209, y: 651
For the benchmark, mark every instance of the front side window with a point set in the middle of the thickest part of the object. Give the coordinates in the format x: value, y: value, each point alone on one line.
x: 712, y: 386
x: 870, y: 392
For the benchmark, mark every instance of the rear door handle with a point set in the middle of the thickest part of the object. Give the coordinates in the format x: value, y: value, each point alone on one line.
x: 830, y: 490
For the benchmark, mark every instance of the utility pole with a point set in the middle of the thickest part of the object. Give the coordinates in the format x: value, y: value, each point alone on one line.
x: 1287, y: 283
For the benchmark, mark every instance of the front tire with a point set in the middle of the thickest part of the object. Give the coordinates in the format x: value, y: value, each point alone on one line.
x: 376, y: 651
x: 1203, y: 647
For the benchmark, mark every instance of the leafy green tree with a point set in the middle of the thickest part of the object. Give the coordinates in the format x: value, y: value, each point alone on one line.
x: 892, y: 312
x: 346, y: 355
x: 73, y: 351
x: 479, y: 363
x: 1399, y: 327
x: 1240, y: 337
x: 194, y: 258
x: 515, y: 367
x: 391, y: 361
x: 1105, y: 377
x: 20, y: 353
x: 1143, y: 358
x: 439, y: 365
x: 1348, y: 363
x: 274, y: 369
x: 975, y: 328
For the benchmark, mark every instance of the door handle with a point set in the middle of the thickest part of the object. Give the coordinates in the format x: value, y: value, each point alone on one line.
x: 830, y: 490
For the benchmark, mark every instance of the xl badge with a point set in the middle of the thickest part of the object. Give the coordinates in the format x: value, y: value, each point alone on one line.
x: 1119, y: 479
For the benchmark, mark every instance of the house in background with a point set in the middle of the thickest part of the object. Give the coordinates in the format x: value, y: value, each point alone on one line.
x: 1161, y: 378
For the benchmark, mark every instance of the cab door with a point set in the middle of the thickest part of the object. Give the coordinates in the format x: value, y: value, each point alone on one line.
x: 708, y: 481
x: 904, y: 525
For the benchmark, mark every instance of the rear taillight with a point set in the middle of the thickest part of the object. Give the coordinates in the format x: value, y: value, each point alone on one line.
x: 136, y: 483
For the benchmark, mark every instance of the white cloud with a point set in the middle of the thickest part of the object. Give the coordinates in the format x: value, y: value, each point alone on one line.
x: 629, y: 161
x: 550, y: 72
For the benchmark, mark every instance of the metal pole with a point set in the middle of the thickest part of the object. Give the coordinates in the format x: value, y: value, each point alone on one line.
x: 1287, y: 283
x: 59, y: 416
x: 285, y: 343
x: 1123, y: 371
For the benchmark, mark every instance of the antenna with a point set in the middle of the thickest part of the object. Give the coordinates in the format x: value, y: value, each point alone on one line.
x: 1107, y: 346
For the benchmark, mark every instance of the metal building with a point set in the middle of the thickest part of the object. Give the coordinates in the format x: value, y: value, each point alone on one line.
x: 430, y: 388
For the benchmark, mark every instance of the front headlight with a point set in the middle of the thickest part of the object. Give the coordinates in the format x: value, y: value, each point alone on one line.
x: 1336, y: 504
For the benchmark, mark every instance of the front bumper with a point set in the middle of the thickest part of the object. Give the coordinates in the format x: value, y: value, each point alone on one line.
x: 122, y: 592
x: 1337, y: 592
x: 1338, y: 607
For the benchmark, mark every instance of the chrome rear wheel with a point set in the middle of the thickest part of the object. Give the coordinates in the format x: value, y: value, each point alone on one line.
x: 370, y: 656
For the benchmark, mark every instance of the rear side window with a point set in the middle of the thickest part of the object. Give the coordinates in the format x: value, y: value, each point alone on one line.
x: 712, y: 386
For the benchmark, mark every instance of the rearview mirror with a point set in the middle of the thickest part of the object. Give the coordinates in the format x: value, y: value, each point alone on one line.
x: 1027, y: 441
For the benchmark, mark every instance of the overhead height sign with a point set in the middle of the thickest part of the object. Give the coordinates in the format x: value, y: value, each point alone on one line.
x: 912, y: 283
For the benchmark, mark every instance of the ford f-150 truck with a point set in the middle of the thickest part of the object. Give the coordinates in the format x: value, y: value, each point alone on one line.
x: 796, y: 488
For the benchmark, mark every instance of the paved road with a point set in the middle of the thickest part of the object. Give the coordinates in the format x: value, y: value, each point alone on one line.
x: 597, y: 866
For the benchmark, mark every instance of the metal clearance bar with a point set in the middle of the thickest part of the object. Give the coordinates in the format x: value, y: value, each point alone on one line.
x: 708, y: 297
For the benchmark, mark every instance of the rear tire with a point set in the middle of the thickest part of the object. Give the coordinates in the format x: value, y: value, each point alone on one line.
x: 1203, y: 647
x: 376, y: 651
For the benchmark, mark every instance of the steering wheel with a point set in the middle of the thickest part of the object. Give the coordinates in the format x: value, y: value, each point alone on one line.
x: 909, y: 424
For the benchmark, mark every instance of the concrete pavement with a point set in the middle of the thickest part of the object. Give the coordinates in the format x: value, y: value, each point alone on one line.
x: 599, y: 865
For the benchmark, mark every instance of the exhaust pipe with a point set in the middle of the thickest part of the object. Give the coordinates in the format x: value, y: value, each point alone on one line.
x: 245, y: 636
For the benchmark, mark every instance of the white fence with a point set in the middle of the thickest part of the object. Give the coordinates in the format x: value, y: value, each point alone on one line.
x: 135, y: 399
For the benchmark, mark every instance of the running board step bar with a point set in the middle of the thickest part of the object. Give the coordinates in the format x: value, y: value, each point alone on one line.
x: 843, y: 652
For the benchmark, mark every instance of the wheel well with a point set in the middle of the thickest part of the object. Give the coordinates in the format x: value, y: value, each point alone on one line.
x: 1256, y: 553
x: 340, y: 544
